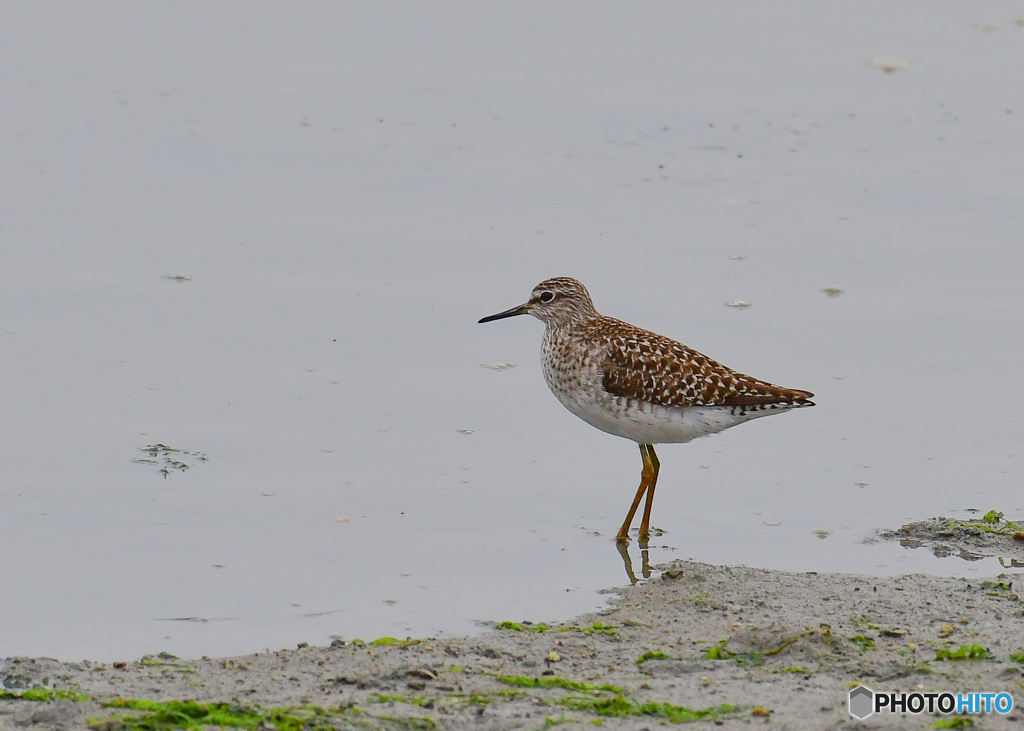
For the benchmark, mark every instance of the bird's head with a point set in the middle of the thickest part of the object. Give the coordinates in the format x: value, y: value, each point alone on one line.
x: 557, y: 301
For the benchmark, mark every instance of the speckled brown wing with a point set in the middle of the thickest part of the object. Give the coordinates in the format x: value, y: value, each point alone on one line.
x: 649, y: 367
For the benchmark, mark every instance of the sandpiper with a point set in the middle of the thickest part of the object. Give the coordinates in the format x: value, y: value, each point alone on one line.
x: 639, y: 385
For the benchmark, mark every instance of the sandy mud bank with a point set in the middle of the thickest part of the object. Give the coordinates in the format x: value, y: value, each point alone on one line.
x: 731, y: 646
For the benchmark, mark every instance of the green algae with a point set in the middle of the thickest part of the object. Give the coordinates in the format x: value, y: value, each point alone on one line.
x: 991, y: 522
x: 959, y: 722
x: 865, y: 643
x: 598, y: 702
x: 527, y: 627
x: 163, y: 658
x: 972, y: 652
x: 46, y: 695
x: 719, y: 652
x: 597, y: 628
x: 421, y: 723
x: 193, y: 716
x: 384, y: 698
x: 916, y: 668
x: 653, y: 655
x: 391, y: 641
x: 620, y: 706
x: 551, y: 681
x: 1002, y: 589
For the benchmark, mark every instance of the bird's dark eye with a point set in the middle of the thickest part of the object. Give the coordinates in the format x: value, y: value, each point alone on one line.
x: 546, y: 297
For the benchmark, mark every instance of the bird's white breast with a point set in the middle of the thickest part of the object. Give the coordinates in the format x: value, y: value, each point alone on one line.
x: 574, y: 375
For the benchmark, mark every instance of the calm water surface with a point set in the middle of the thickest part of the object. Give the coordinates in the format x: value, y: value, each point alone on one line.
x: 345, y: 189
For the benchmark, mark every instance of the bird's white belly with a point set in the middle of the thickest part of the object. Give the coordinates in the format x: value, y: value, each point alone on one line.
x: 646, y: 423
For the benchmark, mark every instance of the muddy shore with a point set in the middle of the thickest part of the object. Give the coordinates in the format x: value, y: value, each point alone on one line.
x: 731, y: 646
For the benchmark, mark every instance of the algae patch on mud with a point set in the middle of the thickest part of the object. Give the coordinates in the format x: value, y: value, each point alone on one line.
x: 390, y: 641
x: 973, y: 652
x: 611, y: 700
x: 190, y: 715
x: 653, y: 655
x: 992, y: 535
x: 45, y: 695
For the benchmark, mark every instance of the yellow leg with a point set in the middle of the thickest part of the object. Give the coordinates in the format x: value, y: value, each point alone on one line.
x: 648, y: 473
x: 645, y: 525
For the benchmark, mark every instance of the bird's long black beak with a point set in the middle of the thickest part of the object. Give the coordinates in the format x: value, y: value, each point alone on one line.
x: 520, y: 310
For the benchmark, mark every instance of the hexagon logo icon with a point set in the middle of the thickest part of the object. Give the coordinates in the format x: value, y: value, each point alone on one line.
x: 862, y: 702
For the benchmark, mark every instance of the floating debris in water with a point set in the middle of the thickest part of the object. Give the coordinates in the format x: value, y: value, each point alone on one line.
x: 833, y: 291
x: 194, y: 619
x: 341, y: 520
x: 772, y: 522
x: 322, y: 614
x: 736, y: 257
x: 177, y: 277
x: 464, y: 431
x: 737, y: 303
x: 988, y: 26
x: 498, y: 366
x: 821, y: 533
x: 862, y: 484
x: 169, y: 458
x: 890, y: 64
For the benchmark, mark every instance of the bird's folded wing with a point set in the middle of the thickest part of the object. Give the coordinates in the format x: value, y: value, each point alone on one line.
x: 658, y: 370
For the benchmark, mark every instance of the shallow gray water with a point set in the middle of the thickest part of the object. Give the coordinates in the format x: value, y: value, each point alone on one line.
x: 346, y: 189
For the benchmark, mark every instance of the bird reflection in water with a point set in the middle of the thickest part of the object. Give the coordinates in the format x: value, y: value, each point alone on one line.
x: 645, y: 557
